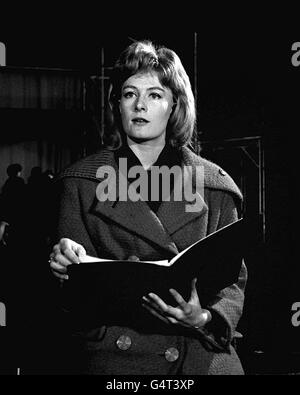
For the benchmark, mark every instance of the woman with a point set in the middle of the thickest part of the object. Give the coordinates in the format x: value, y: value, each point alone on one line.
x: 152, y: 113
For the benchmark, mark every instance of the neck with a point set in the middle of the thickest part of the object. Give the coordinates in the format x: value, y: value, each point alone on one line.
x: 146, y: 152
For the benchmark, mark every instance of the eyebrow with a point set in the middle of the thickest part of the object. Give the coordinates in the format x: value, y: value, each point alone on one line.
x: 148, y: 89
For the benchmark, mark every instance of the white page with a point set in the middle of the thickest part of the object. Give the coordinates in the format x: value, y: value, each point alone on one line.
x: 88, y: 258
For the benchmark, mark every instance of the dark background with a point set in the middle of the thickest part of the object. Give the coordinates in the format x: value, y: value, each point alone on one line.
x: 246, y: 86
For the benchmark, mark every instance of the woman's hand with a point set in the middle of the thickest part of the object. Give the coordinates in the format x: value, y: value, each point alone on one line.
x: 189, y: 314
x: 63, y: 254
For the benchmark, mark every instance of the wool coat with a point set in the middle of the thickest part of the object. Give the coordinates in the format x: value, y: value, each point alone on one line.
x: 119, y: 229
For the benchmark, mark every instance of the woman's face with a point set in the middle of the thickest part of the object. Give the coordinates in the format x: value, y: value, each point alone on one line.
x: 145, y: 107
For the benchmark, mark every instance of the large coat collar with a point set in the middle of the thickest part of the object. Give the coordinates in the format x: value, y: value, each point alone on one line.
x: 214, y: 176
x: 137, y: 216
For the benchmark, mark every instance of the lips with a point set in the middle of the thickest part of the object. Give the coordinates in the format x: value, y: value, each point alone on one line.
x: 139, y: 120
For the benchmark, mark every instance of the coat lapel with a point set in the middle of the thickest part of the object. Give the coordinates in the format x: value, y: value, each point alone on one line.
x: 140, y: 220
x: 134, y: 216
x: 175, y: 214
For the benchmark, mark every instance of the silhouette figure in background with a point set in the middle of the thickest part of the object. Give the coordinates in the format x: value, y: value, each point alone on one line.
x: 25, y: 213
x: 14, y: 180
x: 35, y: 176
x: 13, y: 198
x: 14, y: 237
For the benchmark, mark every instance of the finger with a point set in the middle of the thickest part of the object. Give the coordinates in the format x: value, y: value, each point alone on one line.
x: 153, y: 304
x: 185, y: 307
x: 56, y: 249
x: 133, y: 258
x: 79, y: 250
x: 168, y: 311
x: 194, y: 293
x: 155, y: 313
x: 58, y: 267
x: 60, y: 276
x: 166, y: 319
x: 73, y: 249
x: 148, y: 300
x: 67, y: 248
x: 172, y: 320
x: 161, y: 304
x: 62, y: 260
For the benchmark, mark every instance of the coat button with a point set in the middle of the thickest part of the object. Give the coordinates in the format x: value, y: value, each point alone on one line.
x: 124, y: 342
x: 171, y: 354
x: 222, y: 172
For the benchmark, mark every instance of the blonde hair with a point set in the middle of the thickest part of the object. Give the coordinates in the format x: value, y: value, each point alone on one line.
x: 143, y: 57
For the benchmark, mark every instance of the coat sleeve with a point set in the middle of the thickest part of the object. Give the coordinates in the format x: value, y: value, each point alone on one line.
x: 227, y: 307
x: 68, y: 216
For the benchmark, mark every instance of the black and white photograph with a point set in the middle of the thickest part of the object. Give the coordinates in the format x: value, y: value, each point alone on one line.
x: 147, y: 206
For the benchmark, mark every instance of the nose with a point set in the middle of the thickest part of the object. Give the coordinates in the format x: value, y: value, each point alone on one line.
x: 140, y: 104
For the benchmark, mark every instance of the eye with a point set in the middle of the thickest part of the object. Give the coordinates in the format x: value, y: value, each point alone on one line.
x: 155, y: 95
x: 128, y: 94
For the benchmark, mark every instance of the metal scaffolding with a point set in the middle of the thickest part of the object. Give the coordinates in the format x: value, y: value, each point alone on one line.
x: 247, y: 161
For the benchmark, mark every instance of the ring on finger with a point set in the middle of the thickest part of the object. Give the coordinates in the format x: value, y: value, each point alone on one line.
x: 51, y: 259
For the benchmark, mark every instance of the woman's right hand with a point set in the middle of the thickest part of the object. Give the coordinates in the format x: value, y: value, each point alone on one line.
x: 63, y: 254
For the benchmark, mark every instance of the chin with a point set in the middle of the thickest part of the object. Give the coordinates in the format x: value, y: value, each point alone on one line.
x: 143, y: 136
x: 139, y: 139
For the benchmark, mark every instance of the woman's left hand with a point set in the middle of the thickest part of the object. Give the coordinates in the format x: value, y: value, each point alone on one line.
x: 189, y: 314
